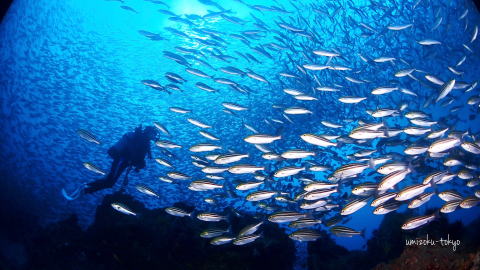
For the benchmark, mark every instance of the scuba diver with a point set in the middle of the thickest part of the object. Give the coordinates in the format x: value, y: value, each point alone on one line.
x: 128, y: 152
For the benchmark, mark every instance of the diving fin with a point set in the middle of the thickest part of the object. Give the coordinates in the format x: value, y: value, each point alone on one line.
x: 75, y: 194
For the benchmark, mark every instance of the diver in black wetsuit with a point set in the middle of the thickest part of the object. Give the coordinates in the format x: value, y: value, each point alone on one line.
x: 128, y: 152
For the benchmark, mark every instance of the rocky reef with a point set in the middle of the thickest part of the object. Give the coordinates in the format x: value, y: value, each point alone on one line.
x: 152, y: 240
x: 436, y: 257
x: 156, y: 240
x: 387, y: 248
x: 463, y: 254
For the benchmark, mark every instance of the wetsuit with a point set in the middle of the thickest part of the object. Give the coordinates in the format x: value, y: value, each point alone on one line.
x: 130, y: 150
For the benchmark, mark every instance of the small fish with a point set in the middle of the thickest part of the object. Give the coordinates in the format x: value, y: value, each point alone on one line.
x: 297, y: 154
x: 261, y: 139
x: 411, y: 191
x: 162, y: 128
x: 429, y: 42
x: 297, y: 111
x: 327, y: 89
x: 203, y: 185
x: 245, y: 168
x: 167, y: 144
x: 179, y: 110
x: 250, y: 229
x: 163, y: 162
x: 165, y: 179
x: 416, y: 222
x: 123, y: 209
x: 450, y: 195
x: 319, y: 194
x: 420, y: 200
x: 319, y: 186
x: 354, y: 206
x: 87, y: 136
x: 204, y: 147
x: 221, y: 240
x: 326, y: 53
x: 93, y: 168
x: 260, y: 195
x: 146, y: 190
x: 286, y: 216
x: 383, y: 90
x: 474, y: 34
x: 446, y: 89
x: 198, y: 123
x: 390, y: 180
x: 211, y: 217
x: 230, y: 158
x: 205, y: 87
x: 288, y: 171
x: 387, y: 207
x: 312, y: 205
x: 349, y: 170
x: 404, y: 72
x: 330, y: 125
x: 234, y: 106
x: 351, y: 99
x: 392, y: 167
x: 246, y: 239
x: 383, y: 198
x: 129, y: 9
x: 315, y: 67
x: 178, y: 176
x: 345, y: 231
x: 384, y: 59
x: 304, y: 223
x: 364, y: 189
x: 248, y: 185
x: 399, y: 27
x: 305, y: 235
x: 197, y: 72
x: 174, y: 211
x: 317, y: 140
x: 471, y: 147
x: 214, y: 232
x: 443, y: 145
x: 469, y: 202
x: 450, y: 206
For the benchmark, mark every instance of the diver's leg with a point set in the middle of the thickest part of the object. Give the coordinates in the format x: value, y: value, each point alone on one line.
x: 121, y: 167
x: 109, y: 180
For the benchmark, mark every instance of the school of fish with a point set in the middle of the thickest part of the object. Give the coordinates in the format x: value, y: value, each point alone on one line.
x: 372, y: 96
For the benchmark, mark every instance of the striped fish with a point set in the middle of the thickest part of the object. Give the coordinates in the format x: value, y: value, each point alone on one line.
x: 305, y: 235
x: 345, y: 231
x: 211, y: 217
x: 84, y: 134
x: 416, y: 222
x: 286, y: 216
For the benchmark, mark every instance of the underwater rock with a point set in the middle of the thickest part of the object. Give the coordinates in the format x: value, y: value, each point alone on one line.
x: 58, y: 246
x: 387, y: 249
x: 387, y: 242
x: 436, y: 257
x: 152, y: 240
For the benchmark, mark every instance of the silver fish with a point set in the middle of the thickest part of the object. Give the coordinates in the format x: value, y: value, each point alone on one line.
x: 416, y: 222
x: 123, y: 209
x: 305, y: 235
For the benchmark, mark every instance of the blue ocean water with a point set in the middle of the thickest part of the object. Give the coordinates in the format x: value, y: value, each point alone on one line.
x: 69, y: 65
